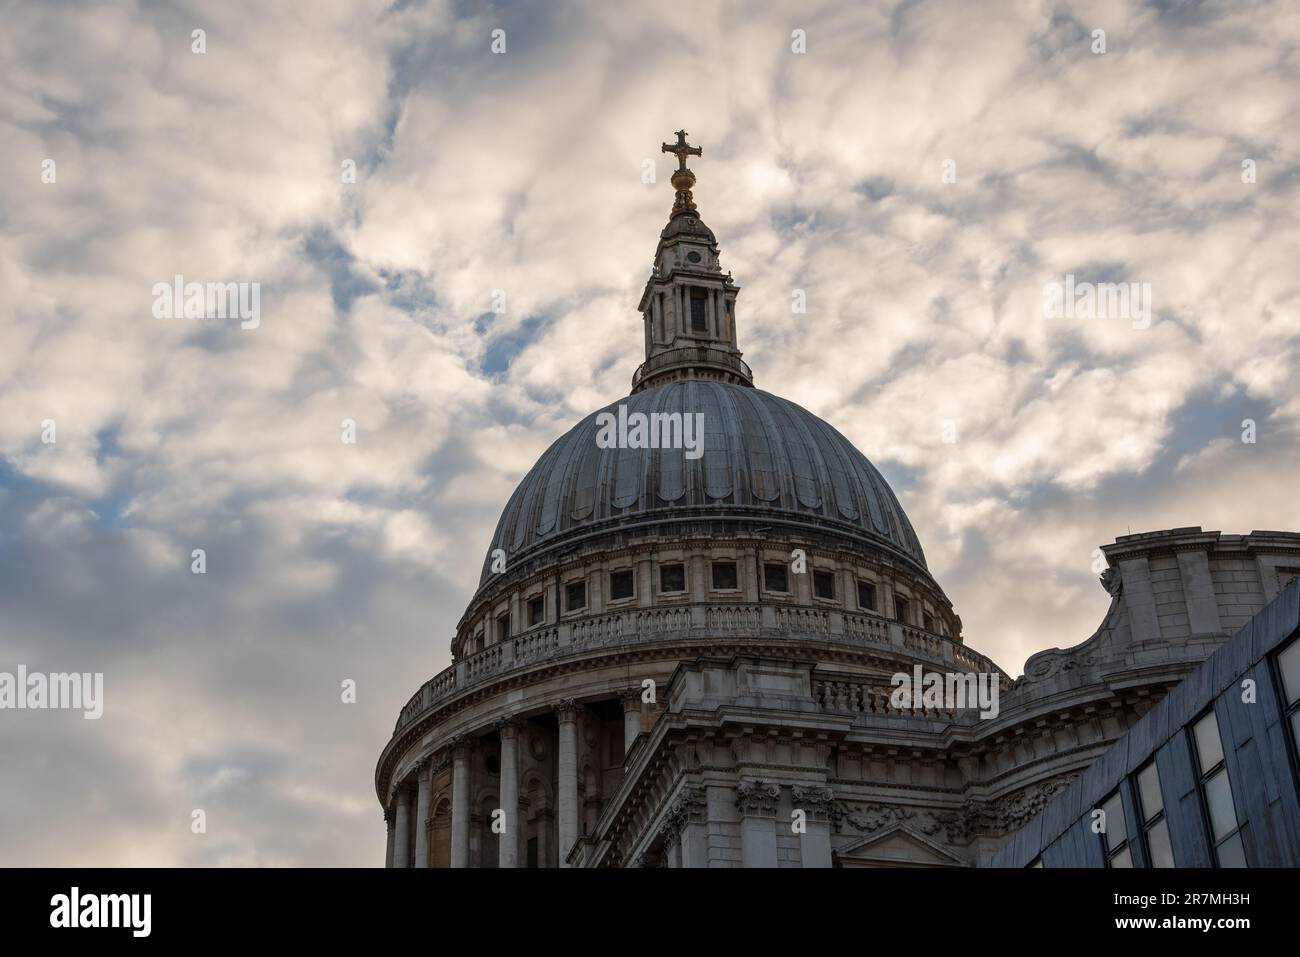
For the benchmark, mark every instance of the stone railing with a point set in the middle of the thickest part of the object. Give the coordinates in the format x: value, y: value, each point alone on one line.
x: 850, y: 696
x: 685, y: 622
x: 706, y: 356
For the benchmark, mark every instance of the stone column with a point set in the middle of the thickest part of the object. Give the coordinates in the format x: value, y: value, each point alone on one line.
x: 508, y: 843
x: 424, y: 773
x: 402, y: 839
x: 815, y: 841
x: 388, y: 826
x: 631, y: 717
x: 567, y: 713
x: 460, y: 809
x: 756, y: 801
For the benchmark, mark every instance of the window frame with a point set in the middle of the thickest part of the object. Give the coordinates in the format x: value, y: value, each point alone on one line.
x: 675, y: 591
x: 569, y: 607
x: 529, y: 603
x: 1290, y: 712
x: 713, y: 580
x: 826, y: 573
x: 1146, y: 823
x: 767, y: 589
x: 870, y: 586
x: 1124, y: 847
x: 631, y: 577
x: 1204, y: 777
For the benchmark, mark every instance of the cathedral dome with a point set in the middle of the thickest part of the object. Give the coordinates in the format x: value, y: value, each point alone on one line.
x: 764, y: 461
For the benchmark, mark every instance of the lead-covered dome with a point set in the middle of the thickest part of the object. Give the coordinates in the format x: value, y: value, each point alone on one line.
x: 764, y: 459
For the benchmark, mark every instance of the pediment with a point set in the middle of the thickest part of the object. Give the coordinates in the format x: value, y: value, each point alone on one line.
x: 895, y: 846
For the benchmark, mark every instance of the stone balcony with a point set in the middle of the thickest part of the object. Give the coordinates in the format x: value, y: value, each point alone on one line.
x: 687, y: 622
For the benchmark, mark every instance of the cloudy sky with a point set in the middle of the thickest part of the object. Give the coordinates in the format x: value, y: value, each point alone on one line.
x: 521, y: 172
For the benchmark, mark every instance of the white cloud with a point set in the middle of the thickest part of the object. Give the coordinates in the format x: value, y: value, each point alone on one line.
x: 522, y: 173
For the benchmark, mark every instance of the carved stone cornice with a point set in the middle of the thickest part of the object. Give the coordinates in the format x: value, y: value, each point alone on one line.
x: 757, y: 797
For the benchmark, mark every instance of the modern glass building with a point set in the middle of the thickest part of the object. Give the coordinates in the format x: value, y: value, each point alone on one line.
x: 1210, y: 777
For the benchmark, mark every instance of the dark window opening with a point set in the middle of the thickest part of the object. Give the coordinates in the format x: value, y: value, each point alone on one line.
x: 620, y: 585
x: 503, y: 628
x: 927, y: 621
x: 536, y: 610
x: 824, y: 584
x: 724, y: 576
x: 775, y: 578
x: 575, y: 596
x: 902, y: 607
x: 672, y: 578
x: 699, y: 319
x: 867, y: 596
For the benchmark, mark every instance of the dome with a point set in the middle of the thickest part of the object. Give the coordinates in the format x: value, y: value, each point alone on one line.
x: 688, y: 224
x: 765, y: 460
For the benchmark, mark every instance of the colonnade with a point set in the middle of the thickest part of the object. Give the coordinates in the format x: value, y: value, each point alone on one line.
x: 410, y: 807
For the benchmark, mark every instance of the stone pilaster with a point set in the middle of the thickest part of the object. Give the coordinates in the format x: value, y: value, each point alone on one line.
x: 631, y: 717
x: 688, y: 816
x: 756, y: 802
x: 816, y: 802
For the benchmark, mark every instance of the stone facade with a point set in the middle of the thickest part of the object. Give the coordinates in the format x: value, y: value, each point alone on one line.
x: 688, y: 662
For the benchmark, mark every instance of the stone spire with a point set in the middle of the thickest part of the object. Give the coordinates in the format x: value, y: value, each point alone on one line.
x: 689, y: 306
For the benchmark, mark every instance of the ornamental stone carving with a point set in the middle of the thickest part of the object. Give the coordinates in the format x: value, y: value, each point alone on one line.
x: 872, y: 817
x: 817, y: 801
x: 1112, y: 582
x: 507, y: 727
x: 1007, y: 814
x: 690, y: 807
x: 757, y: 797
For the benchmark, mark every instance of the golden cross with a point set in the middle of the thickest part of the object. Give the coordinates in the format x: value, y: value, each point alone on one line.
x: 682, y: 150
